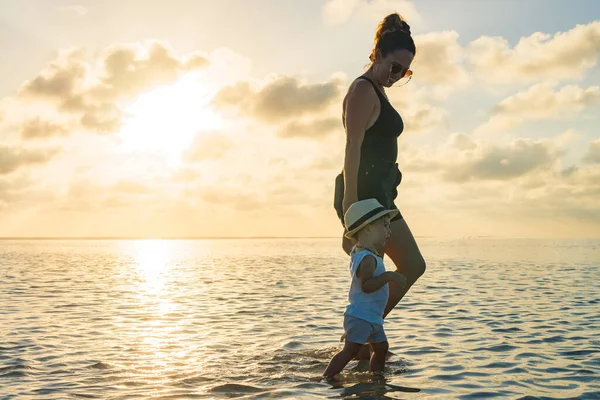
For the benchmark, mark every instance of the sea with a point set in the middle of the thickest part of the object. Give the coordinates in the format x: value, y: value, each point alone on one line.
x: 261, y: 318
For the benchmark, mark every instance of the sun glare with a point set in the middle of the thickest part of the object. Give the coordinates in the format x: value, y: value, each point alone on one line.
x: 152, y: 262
x: 166, y: 120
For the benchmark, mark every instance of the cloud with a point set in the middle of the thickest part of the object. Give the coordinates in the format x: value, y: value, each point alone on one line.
x: 208, y: 145
x: 236, y: 197
x: 517, y: 187
x: 462, y: 142
x: 336, y: 12
x: 92, y: 89
x: 262, y: 194
x: 540, y: 56
x: 463, y: 159
x: 439, y: 59
x: 315, y: 129
x: 280, y: 99
x: 19, y: 200
x: 60, y: 79
x: 102, y: 118
x: 130, y: 188
x: 540, y: 101
x: 420, y: 108
x: 185, y: 175
x: 502, y: 162
x: 12, y: 189
x: 37, y: 128
x: 423, y: 117
x: 12, y: 158
x: 593, y: 153
x: 572, y: 197
x: 87, y: 195
x: 129, y: 68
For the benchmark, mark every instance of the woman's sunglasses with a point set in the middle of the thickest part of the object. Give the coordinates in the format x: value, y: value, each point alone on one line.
x: 397, y: 69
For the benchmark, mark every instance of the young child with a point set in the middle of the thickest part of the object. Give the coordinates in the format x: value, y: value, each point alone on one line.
x: 368, y: 222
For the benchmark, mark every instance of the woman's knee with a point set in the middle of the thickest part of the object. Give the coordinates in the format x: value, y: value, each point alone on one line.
x: 411, y: 267
x: 420, y: 267
x: 416, y: 270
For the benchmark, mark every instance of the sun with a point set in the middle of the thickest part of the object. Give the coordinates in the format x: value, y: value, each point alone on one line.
x: 166, y: 120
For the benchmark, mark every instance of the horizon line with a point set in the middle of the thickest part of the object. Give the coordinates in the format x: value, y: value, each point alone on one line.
x: 258, y: 237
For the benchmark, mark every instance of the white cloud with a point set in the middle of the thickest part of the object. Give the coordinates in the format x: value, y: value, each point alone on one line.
x: 439, y: 59
x: 539, y: 102
x: 280, y: 99
x: 209, y: 145
x: 14, y: 158
x: 420, y: 107
x: 592, y: 155
x: 91, y: 89
x: 463, y: 158
x: 501, y: 162
x: 517, y: 188
x: 540, y: 56
x: 312, y: 129
x: 37, y: 128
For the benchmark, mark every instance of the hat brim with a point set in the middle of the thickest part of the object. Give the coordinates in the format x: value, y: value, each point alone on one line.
x: 391, y: 213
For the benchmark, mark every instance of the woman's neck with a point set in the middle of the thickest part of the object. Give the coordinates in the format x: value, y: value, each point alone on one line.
x: 369, y: 74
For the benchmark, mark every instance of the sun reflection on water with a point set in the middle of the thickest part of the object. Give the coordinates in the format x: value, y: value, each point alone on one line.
x: 160, y: 316
x: 152, y: 264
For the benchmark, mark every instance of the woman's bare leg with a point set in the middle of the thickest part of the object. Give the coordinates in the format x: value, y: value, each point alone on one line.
x: 404, y: 252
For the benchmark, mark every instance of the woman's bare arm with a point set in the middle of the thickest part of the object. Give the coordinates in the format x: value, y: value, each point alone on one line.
x: 360, y: 103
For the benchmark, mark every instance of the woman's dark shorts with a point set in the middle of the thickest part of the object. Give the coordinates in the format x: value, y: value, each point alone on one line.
x: 375, y: 181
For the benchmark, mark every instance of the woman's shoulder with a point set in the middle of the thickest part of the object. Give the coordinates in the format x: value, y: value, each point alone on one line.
x: 362, y: 89
x: 361, y: 83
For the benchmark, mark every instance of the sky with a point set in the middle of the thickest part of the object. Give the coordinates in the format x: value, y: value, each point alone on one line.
x: 223, y: 119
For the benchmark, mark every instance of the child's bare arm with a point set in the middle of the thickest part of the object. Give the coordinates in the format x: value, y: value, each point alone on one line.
x: 368, y: 282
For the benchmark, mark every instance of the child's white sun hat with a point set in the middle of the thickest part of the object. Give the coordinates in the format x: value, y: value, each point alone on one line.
x: 362, y: 213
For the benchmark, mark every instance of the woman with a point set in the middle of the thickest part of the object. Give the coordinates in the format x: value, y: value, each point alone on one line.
x: 372, y: 130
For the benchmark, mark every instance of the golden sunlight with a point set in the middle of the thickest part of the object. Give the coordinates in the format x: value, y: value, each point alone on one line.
x: 165, y: 120
x: 152, y: 259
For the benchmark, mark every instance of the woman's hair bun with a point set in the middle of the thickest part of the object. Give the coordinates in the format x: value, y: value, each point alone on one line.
x: 391, y: 23
x: 392, y: 33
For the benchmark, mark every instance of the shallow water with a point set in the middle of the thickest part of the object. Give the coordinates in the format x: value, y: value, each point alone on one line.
x: 257, y: 319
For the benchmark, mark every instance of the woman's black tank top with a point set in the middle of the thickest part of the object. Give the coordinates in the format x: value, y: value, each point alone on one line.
x: 380, y: 143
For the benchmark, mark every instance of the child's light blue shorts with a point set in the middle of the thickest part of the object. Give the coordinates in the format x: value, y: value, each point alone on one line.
x: 361, y: 331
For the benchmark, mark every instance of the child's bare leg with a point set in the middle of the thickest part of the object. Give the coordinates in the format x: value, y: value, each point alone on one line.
x: 380, y: 350
x: 364, y: 352
x: 341, y: 359
x: 396, y: 292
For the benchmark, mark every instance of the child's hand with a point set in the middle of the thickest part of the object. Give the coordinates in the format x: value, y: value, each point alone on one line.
x: 397, y: 278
